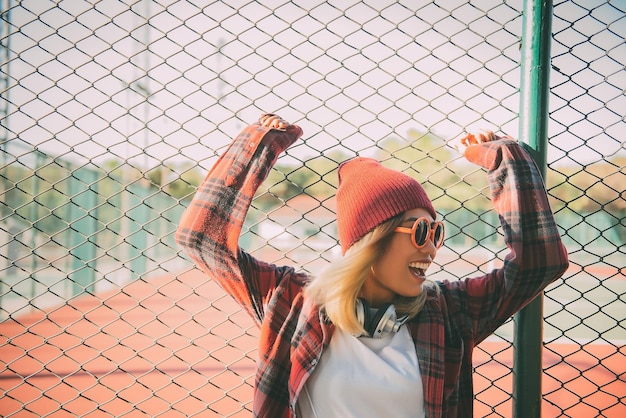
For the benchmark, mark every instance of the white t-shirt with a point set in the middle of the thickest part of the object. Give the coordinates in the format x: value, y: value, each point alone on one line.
x: 365, y: 377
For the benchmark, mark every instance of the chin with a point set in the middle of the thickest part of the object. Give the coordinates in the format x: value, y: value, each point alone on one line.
x: 413, y: 293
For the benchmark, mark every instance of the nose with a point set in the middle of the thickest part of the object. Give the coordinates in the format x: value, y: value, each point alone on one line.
x: 430, y: 249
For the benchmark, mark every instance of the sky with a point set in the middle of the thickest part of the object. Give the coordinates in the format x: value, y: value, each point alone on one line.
x: 164, y: 82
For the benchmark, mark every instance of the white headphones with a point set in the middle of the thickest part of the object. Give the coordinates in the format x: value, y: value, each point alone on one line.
x: 385, y: 320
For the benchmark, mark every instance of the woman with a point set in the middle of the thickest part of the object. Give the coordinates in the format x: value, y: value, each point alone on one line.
x: 371, y: 337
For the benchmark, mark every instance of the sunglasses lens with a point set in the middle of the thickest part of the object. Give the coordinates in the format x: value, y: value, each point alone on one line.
x: 421, y: 232
x: 438, y: 235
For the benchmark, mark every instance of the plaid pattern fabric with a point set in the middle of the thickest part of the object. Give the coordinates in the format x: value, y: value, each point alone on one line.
x: 294, y: 333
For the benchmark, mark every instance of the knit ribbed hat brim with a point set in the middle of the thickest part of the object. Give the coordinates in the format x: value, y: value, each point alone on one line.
x: 369, y: 194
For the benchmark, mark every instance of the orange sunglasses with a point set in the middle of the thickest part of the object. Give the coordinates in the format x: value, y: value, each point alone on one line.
x: 422, y: 230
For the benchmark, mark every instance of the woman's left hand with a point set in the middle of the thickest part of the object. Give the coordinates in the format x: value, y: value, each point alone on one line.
x: 473, y: 138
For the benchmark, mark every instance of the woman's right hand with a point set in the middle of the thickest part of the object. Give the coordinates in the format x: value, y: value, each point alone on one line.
x: 273, y: 121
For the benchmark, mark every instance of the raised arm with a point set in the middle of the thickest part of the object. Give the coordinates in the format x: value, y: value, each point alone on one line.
x: 210, y: 226
x: 536, y: 255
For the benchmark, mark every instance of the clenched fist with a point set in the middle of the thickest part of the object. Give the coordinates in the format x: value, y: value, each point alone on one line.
x: 273, y: 121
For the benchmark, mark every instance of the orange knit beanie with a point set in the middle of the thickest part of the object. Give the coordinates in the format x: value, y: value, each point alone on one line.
x: 369, y: 194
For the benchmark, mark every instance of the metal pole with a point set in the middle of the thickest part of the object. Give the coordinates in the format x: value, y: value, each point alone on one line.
x: 534, y: 92
x: 5, y: 77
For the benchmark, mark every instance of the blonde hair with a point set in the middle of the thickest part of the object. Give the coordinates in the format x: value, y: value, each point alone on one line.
x: 336, y: 289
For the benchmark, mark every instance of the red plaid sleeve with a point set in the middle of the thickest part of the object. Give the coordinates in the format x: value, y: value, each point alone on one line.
x: 210, y: 227
x: 536, y: 255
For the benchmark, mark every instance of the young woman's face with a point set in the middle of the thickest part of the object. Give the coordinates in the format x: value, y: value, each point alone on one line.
x: 402, y: 268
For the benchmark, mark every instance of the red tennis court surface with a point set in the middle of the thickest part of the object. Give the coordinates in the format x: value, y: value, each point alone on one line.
x: 146, y: 351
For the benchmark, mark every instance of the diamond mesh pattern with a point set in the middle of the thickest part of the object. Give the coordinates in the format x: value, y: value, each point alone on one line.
x: 113, y: 111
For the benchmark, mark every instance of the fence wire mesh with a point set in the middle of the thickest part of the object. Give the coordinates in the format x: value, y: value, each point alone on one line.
x: 113, y: 111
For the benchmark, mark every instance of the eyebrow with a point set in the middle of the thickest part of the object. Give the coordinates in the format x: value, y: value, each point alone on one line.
x: 413, y: 219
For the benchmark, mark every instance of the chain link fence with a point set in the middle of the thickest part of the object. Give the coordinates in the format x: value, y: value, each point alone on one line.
x: 113, y: 111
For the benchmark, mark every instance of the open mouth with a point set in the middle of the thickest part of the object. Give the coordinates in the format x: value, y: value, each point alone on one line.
x: 419, y: 269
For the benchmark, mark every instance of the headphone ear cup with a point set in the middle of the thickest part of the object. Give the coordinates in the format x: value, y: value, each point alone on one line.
x: 385, y: 319
x: 378, y: 323
x: 363, y: 313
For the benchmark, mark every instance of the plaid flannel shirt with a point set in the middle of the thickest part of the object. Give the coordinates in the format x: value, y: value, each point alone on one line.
x: 294, y: 334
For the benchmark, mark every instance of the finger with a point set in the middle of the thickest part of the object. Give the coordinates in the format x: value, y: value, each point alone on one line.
x: 268, y: 120
x: 479, y: 137
x: 485, y: 135
x: 273, y: 121
x: 279, y: 123
x: 264, y: 118
x: 469, y: 139
x: 283, y: 124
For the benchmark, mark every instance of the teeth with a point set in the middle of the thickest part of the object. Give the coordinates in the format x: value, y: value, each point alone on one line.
x: 418, y: 265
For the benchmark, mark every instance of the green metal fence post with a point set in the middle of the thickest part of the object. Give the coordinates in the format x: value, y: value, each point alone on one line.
x: 83, y: 227
x: 535, y: 74
x: 138, y: 215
